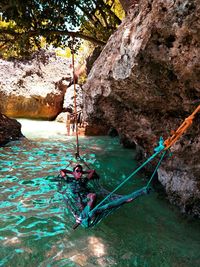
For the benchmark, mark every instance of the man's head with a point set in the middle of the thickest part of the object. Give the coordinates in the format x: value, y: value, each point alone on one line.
x: 78, y: 171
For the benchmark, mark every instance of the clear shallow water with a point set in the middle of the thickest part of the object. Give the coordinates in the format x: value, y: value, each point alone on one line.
x: 35, y: 227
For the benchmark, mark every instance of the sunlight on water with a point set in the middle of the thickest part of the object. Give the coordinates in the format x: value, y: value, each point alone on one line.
x: 36, y: 227
x: 33, y: 129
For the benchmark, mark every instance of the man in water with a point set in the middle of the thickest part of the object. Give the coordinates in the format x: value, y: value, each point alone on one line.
x: 79, y: 189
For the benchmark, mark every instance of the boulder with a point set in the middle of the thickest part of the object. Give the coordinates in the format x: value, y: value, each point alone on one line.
x: 10, y: 129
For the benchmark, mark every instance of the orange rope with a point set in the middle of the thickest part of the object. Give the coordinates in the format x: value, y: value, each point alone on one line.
x: 75, y: 105
x: 184, y: 126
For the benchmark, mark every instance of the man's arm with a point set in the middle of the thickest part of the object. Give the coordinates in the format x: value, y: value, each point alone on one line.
x: 63, y: 172
x: 91, y: 174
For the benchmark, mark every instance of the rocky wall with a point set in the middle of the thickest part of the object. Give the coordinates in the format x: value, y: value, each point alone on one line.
x: 34, y: 88
x: 146, y: 81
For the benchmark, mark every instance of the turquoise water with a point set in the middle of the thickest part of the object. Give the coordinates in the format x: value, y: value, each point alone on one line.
x: 35, y: 227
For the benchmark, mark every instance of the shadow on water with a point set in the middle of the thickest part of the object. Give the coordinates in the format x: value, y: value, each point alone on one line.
x: 35, y: 227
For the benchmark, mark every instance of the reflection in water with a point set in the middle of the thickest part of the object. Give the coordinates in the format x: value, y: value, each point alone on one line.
x: 11, y: 241
x: 35, y: 227
x: 96, y: 246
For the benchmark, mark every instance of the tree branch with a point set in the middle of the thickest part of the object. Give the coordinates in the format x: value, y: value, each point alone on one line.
x: 44, y: 32
x: 102, y: 4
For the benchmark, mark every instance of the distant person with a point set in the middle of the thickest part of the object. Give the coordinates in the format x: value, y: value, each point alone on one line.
x: 80, y: 119
x: 68, y: 118
x: 72, y: 122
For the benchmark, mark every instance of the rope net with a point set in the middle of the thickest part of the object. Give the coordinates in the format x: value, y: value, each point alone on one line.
x: 107, y: 202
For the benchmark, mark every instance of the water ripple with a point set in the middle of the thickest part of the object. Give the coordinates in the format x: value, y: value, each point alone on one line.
x: 35, y: 226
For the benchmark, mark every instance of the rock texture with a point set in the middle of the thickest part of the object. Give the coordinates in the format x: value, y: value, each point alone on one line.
x: 127, y: 4
x: 34, y: 88
x: 146, y: 81
x: 10, y: 129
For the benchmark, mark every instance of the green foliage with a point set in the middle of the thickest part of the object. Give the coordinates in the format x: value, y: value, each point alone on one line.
x: 30, y: 22
x: 10, y: 48
x: 102, y: 19
x: 117, y: 9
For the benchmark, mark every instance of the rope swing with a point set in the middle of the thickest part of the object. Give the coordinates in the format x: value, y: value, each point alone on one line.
x: 75, y: 104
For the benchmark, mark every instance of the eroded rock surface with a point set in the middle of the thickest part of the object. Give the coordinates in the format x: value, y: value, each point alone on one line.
x: 10, y: 129
x: 146, y: 82
x: 34, y: 88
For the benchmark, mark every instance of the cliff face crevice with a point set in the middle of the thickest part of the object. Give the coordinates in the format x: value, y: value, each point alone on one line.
x: 146, y: 81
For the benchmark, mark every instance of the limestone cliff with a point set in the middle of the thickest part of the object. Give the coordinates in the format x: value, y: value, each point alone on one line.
x: 34, y: 88
x: 146, y: 81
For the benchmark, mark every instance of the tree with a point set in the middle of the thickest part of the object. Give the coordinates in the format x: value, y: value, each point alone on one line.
x: 56, y: 21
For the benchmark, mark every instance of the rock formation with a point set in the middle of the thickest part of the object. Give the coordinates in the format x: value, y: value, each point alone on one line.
x: 34, y: 88
x: 10, y: 130
x: 146, y: 81
x: 127, y: 4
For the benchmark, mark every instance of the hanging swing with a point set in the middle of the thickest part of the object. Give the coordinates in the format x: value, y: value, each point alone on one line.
x: 108, y: 202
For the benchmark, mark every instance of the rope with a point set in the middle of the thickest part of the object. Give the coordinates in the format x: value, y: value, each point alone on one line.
x: 75, y: 105
x: 158, y: 165
x: 108, y: 208
x: 184, y: 126
x: 82, y: 160
x: 128, y: 178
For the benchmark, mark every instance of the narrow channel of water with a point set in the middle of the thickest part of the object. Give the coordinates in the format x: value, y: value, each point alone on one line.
x: 35, y: 226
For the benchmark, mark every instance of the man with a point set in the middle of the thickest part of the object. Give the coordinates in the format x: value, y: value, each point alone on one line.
x: 79, y: 189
